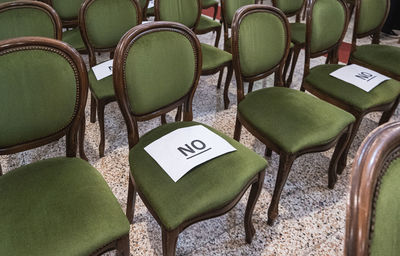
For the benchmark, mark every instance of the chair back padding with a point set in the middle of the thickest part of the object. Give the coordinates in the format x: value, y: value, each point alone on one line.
x: 42, y: 85
x: 68, y: 10
x: 260, y: 39
x: 28, y: 18
x: 186, y: 12
x: 373, y: 211
x: 104, y: 22
x: 289, y: 7
x: 231, y: 6
x: 371, y: 15
x: 327, y: 24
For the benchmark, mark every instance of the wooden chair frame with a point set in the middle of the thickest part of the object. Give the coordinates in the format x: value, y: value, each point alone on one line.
x: 99, y: 104
x: 169, y: 237
x: 375, y: 154
x: 70, y: 131
x: 387, y: 109
x: 286, y: 159
x: 66, y: 23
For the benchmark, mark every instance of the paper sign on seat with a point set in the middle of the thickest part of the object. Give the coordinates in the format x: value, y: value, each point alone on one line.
x: 103, y: 69
x: 359, y: 76
x: 185, y: 148
x: 151, y: 4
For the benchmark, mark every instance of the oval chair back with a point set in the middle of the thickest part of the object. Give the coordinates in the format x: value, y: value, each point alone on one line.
x: 257, y: 54
x: 152, y: 77
x: 53, y: 89
x: 186, y: 12
x: 67, y: 10
x: 373, y: 211
x: 28, y: 18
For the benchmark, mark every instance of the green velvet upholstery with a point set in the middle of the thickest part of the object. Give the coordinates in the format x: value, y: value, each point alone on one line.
x: 258, y: 50
x: 289, y: 6
x: 206, y: 187
x: 73, y: 37
x: 182, y: 11
x: 298, y: 32
x: 103, y: 88
x: 107, y: 21
x: 231, y: 7
x: 26, y: 21
x: 372, y: 13
x: 173, y: 56
x: 214, y: 57
x: 386, y: 235
x: 207, y: 23
x: 208, y: 3
x: 142, y: 3
x: 58, y: 206
x: 67, y: 10
x: 291, y: 119
x: 383, y: 57
x: 320, y: 79
x: 328, y: 21
x: 45, y: 83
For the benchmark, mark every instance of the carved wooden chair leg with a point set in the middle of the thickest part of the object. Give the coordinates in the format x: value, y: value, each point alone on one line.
x: 268, y: 152
x: 178, y: 116
x: 253, y: 196
x: 296, y: 52
x: 238, y: 129
x: 1, y: 171
x: 287, y: 64
x: 285, y: 163
x: 250, y: 88
x: 123, y: 246
x: 221, y: 73
x: 100, y: 115
x: 343, y: 158
x: 388, y: 114
x: 163, y: 119
x: 131, y: 200
x: 215, y: 11
x: 169, y: 239
x: 93, y: 108
x: 217, y: 37
x: 82, y: 139
x: 226, y: 88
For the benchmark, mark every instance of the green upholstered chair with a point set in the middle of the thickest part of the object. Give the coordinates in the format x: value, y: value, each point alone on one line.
x: 214, y: 59
x: 28, y: 18
x: 289, y: 122
x: 373, y: 211
x: 208, y: 190
x: 68, y: 12
x: 369, y: 19
x: 205, y: 4
x: 103, y: 23
x: 332, y: 15
x: 61, y: 205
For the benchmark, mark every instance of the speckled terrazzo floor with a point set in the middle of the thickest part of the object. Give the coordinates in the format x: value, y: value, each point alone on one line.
x: 311, y: 217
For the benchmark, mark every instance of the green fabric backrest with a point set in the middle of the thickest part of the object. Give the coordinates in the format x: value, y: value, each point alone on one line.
x: 26, y: 21
x: 262, y: 42
x: 160, y: 69
x: 328, y: 23
x: 106, y: 21
x: 37, y: 95
x: 182, y: 11
x: 289, y: 6
x: 67, y: 10
x: 142, y: 3
x: 386, y: 236
x: 231, y: 6
x: 372, y: 12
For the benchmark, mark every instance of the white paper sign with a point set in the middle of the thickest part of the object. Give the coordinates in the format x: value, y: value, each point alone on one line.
x: 103, y: 69
x: 361, y: 77
x: 185, y: 148
x: 151, y: 4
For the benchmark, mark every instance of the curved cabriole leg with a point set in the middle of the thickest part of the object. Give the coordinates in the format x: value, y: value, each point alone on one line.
x: 82, y: 139
x: 123, y: 246
x: 178, y: 116
x: 253, y: 197
x: 226, y: 88
x: 250, y: 88
x: 217, y: 37
x: 238, y: 129
x: 285, y: 163
x: 388, y: 114
x: 333, y: 166
x: 169, y: 239
x: 343, y: 158
x: 221, y: 73
x: 100, y: 114
x: 131, y: 200
x: 92, y: 109
x: 163, y: 119
x: 296, y: 52
x: 215, y: 11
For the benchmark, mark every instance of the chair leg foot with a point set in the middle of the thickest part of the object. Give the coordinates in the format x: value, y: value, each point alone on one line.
x: 130, y: 204
x: 285, y: 163
x: 100, y: 114
x: 123, y: 246
x: 169, y: 239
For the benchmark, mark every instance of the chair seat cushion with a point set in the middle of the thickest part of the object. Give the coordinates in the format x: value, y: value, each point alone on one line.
x: 214, y: 57
x: 207, y: 24
x: 208, y: 3
x: 206, y: 187
x: 73, y: 38
x: 58, y: 206
x: 103, y: 88
x: 298, y: 32
x: 291, y: 119
x: 383, y: 57
x: 320, y: 79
